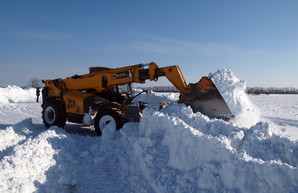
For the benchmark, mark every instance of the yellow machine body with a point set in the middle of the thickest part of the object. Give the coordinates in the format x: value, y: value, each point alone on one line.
x: 105, y: 88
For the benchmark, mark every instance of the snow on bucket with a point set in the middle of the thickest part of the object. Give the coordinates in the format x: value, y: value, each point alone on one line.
x: 232, y: 90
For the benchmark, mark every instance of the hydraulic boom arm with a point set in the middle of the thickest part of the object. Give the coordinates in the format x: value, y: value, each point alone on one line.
x: 131, y: 74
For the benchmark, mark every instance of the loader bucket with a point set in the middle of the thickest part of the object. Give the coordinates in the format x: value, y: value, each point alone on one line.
x: 204, y: 97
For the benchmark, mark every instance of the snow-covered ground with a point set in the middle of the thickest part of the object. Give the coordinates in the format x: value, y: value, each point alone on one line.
x: 172, y: 150
x: 282, y: 110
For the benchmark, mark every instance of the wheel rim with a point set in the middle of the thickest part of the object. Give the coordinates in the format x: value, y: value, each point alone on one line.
x: 105, y: 120
x: 50, y: 115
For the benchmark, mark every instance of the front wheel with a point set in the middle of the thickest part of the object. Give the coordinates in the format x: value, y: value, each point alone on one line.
x: 107, y: 117
x: 53, y: 114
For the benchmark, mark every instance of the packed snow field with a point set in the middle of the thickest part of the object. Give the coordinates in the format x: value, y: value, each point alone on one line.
x: 172, y: 150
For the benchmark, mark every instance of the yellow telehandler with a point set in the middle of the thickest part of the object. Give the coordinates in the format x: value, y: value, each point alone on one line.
x: 104, y: 96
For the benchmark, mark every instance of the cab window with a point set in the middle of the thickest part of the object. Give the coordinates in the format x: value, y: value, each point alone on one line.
x: 124, y: 88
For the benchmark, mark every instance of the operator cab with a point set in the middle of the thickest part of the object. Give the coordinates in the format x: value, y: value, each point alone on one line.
x: 119, y: 93
x: 121, y: 89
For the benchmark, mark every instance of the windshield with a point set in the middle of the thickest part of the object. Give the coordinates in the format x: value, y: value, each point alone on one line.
x: 124, y: 88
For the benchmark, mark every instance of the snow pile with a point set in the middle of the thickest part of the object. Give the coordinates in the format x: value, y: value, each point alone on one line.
x: 154, y: 100
x: 173, y: 150
x: 214, y: 156
x: 233, y: 91
x: 16, y: 94
x: 29, y: 161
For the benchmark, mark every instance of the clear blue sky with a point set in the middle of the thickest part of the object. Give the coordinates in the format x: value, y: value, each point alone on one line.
x: 256, y: 39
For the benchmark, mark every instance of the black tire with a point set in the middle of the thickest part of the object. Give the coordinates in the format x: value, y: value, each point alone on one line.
x: 53, y: 114
x: 104, y: 117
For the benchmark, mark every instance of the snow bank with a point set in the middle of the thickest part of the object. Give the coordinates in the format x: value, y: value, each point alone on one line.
x: 184, y: 152
x: 172, y: 150
x: 233, y: 91
x: 14, y: 94
x: 27, y: 161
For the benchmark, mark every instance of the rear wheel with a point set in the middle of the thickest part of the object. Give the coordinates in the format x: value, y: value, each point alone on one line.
x: 106, y: 117
x: 53, y: 114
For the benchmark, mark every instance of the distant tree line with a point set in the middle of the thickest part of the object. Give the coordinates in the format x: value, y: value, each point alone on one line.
x: 271, y: 90
x: 249, y: 90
